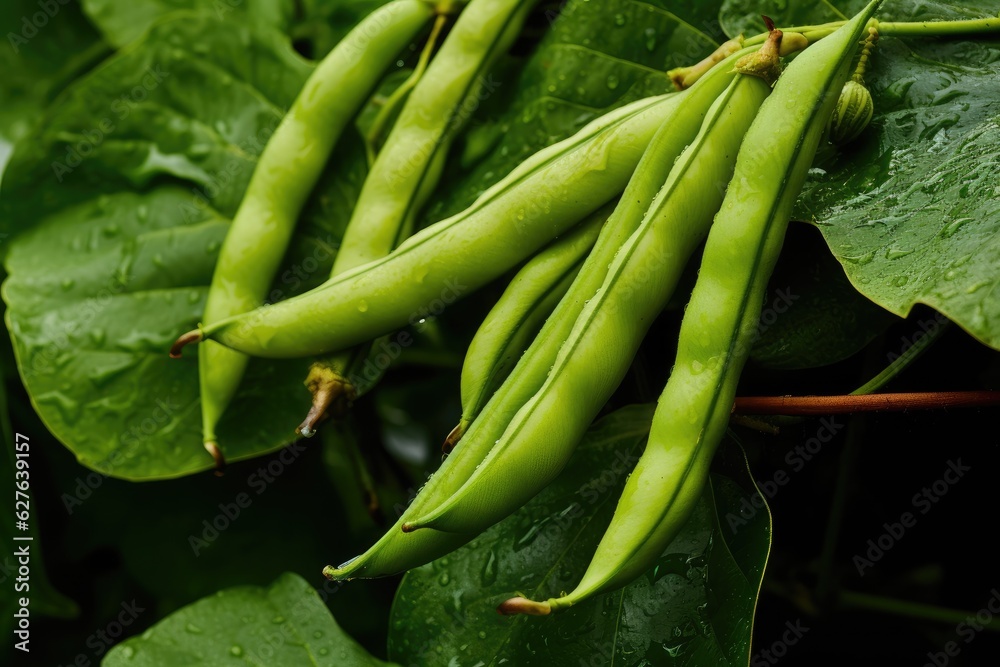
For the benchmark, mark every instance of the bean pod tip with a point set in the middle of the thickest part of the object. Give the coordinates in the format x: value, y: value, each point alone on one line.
x: 332, y: 395
x: 521, y: 605
x: 454, y: 436
x: 193, y: 336
x: 212, y: 447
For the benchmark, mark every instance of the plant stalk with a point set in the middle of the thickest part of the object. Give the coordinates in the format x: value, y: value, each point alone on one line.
x: 832, y: 405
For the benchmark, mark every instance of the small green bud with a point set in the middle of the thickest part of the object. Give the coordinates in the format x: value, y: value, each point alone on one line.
x: 853, y: 113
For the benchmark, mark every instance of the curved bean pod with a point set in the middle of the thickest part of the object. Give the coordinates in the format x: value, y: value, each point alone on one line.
x: 284, y: 176
x: 400, y: 181
x: 605, y: 337
x: 408, y: 168
x: 397, y: 551
x: 720, y: 322
x: 510, y: 326
x: 540, y: 199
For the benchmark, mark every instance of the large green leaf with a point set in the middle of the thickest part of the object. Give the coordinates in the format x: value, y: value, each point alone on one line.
x: 693, y: 608
x: 283, y: 624
x: 910, y: 209
x: 121, y: 200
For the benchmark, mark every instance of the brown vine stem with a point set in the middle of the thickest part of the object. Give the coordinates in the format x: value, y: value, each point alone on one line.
x: 830, y: 405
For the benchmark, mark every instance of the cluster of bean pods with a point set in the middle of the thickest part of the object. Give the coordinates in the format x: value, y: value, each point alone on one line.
x: 601, y: 225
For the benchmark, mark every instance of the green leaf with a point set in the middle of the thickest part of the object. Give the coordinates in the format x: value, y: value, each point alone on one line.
x: 283, y: 624
x: 691, y: 609
x: 910, y: 209
x: 121, y: 199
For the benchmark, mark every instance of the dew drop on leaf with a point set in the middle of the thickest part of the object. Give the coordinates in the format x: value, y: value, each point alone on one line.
x: 650, y: 39
x: 975, y: 287
x: 952, y: 227
x: 489, y: 574
x: 69, y: 409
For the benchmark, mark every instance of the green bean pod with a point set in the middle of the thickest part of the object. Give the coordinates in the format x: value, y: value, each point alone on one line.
x: 397, y: 551
x: 408, y: 168
x: 721, y: 319
x: 540, y: 199
x: 285, y: 174
x: 593, y: 360
x: 400, y: 180
x: 509, y: 327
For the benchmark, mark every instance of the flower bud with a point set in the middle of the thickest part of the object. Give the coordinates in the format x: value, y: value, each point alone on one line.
x: 853, y: 113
